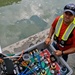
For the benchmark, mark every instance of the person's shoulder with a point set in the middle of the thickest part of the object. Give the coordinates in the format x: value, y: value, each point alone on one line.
x: 55, y: 21
x: 57, y: 17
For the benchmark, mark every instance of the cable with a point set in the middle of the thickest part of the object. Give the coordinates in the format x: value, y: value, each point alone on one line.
x: 20, y: 55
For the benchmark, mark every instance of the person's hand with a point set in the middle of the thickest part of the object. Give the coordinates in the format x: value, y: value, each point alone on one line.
x: 48, y: 41
x: 58, y: 52
x: 1, y: 61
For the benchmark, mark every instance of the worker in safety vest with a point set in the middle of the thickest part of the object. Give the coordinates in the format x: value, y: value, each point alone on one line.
x: 63, y: 29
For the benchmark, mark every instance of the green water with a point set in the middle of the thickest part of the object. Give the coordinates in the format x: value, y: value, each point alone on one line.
x: 22, y: 18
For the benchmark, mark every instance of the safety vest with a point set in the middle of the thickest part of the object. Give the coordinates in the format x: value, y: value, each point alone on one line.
x: 66, y: 34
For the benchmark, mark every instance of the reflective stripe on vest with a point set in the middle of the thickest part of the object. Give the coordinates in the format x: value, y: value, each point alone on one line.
x: 68, y: 30
x: 58, y: 27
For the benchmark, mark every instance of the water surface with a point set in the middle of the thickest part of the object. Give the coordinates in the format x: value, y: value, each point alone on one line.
x: 22, y: 18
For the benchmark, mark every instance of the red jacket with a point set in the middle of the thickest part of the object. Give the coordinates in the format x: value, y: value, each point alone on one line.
x: 70, y: 41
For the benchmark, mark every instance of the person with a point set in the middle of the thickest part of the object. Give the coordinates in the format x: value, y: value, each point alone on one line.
x: 63, y: 32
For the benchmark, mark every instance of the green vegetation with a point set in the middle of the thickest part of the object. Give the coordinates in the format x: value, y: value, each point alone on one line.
x: 7, y: 2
